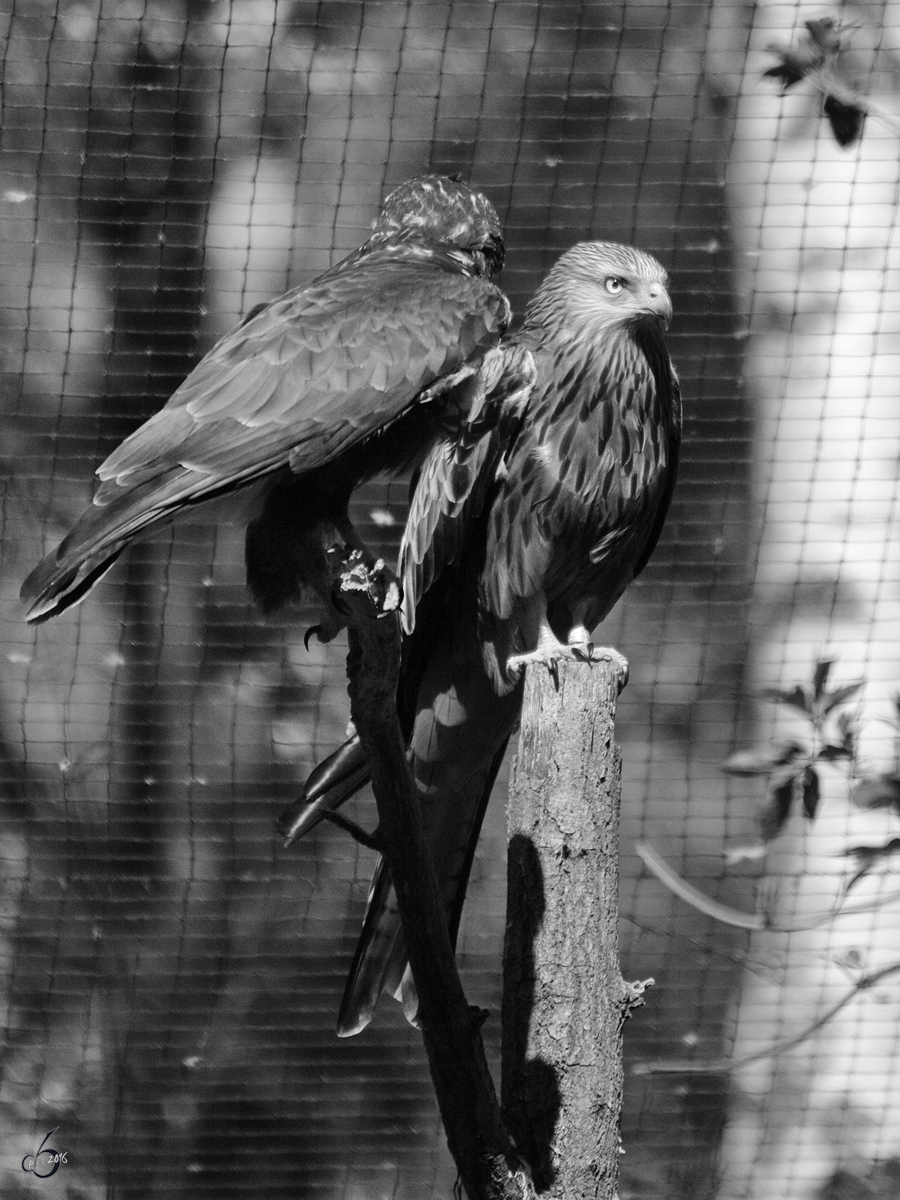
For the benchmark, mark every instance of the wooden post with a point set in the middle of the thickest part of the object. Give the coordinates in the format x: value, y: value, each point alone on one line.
x: 564, y: 998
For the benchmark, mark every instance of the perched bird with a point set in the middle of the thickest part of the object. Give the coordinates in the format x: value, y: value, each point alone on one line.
x: 352, y: 375
x: 566, y: 499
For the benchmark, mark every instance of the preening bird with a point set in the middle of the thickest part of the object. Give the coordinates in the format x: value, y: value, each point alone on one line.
x: 565, y: 503
x: 352, y: 375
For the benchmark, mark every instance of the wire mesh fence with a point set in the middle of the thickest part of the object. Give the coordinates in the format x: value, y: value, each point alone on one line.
x: 170, y: 974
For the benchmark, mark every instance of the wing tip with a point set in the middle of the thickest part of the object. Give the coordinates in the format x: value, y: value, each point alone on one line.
x: 354, y: 1020
x: 53, y: 587
x: 41, y: 589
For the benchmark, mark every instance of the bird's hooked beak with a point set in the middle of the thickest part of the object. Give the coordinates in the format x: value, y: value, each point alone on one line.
x: 657, y: 302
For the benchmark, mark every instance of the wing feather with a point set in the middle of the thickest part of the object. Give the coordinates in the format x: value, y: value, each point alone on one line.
x: 305, y: 379
x: 354, y: 350
x: 248, y: 408
x: 456, y: 478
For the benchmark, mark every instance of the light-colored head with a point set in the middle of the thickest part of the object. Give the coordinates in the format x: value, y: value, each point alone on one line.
x: 444, y: 211
x: 603, y: 284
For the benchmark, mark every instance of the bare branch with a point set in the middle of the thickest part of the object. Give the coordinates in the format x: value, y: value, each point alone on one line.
x: 478, y: 1141
x: 693, y: 896
x: 736, y: 917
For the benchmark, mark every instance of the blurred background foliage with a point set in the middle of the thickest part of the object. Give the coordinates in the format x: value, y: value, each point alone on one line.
x: 170, y: 975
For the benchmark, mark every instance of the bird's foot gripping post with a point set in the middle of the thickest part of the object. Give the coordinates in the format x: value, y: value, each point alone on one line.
x: 488, y: 1166
x: 579, y: 648
x: 357, y: 572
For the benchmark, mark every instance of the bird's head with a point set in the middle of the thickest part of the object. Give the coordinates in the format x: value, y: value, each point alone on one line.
x: 434, y: 209
x: 607, y: 285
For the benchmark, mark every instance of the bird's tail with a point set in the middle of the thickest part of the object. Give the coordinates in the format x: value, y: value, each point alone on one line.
x: 452, y: 825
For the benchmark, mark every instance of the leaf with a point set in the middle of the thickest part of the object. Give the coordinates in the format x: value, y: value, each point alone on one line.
x: 841, y: 695
x: 820, y: 43
x: 796, y: 697
x: 878, y: 791
x: 762, y: 760
x: 868, y: 857
x: 790, y: 70
x: 846, y: 120
x: 820, y: 676
x: 846, y: 723
x: 871, y: 854
x: 825, y: 33
x: 832, y: 751
x: 815, y: 57
x: 812, y: 793
x: 777, y: 809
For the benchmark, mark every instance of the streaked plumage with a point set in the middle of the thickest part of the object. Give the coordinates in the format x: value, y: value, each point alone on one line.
x: 564, y: 510
x: 353, y: 374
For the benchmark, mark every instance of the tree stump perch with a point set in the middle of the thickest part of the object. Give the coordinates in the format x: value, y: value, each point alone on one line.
x: 564, y: 1000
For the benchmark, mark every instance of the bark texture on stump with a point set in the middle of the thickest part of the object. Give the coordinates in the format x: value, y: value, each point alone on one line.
x: 564, y: 997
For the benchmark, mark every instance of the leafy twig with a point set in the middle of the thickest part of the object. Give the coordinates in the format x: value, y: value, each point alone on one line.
x: 792, y: 767
x: 815, y: 57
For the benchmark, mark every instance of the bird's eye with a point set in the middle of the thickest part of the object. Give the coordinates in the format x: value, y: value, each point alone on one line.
x: 614, y: 284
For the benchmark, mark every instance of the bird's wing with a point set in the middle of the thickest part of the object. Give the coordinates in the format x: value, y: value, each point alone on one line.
x: 448, y: 495
x: 669, y: 389
x: 309, y: 377
x: 451, y: 487
x: 457, y: 725
x: 314, y: 373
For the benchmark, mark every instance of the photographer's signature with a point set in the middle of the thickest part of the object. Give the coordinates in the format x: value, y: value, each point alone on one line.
x: 46, y: 1162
